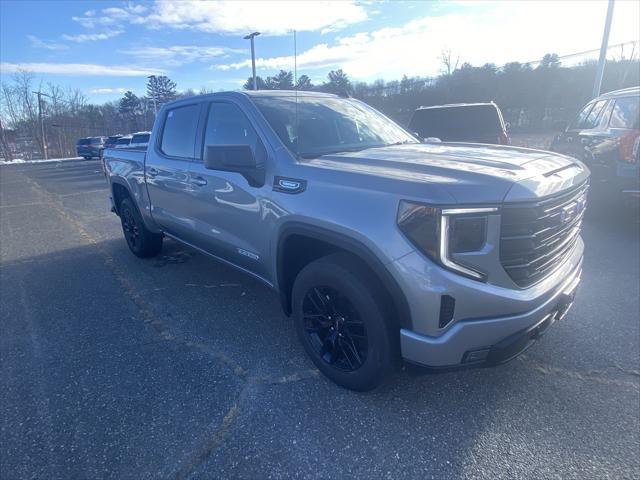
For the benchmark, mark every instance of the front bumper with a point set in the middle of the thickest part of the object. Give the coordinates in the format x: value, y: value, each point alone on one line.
x: 490, y: 341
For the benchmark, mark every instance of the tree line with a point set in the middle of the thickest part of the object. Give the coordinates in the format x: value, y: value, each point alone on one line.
x: 531, y: 98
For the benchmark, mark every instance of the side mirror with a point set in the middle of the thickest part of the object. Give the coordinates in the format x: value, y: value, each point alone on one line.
x: 236, y: 158
x: 507, y: 127
x: 560, y: 126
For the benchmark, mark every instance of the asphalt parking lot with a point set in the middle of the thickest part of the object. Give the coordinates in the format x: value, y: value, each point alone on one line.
x: 179, y: 367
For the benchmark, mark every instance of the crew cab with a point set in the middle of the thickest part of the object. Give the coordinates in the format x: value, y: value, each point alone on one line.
x: 380, y: 247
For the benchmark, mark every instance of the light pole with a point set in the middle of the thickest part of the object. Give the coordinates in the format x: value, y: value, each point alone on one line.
x: 603, y: 51
x: 251, y: 36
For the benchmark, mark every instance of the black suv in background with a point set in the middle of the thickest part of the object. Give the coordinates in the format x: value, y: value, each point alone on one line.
x: 90, y: 147
x: 111, y: 141
x: 606, y: 136
x: 461, y: 122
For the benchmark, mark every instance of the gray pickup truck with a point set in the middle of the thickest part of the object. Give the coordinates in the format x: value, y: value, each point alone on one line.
x: 380, y: 247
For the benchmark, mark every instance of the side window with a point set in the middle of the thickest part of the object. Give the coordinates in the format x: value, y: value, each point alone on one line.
x: 179, y: 132
x: 625, y: 113
x: 594, y: 114
x: 579, y: 121
x: 228, y: 125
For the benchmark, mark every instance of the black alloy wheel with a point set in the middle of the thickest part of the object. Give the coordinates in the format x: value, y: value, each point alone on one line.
x: 335, y: 329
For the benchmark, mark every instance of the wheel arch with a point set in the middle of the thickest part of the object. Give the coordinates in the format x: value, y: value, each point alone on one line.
x: 322, y: 241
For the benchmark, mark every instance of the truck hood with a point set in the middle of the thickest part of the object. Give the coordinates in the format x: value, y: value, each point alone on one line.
x: 470, y: 173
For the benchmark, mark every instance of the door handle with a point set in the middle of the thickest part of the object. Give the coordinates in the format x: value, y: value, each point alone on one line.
x: 152, y: 172
x: 199, y: 181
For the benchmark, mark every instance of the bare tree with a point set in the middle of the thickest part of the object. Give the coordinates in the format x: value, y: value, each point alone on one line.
x: 449, y: 64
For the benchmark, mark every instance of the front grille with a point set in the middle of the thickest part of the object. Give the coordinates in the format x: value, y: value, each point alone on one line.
x: 537, y: 236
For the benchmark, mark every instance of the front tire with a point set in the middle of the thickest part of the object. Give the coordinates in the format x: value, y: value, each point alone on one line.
x: 141, y: 241
x: 343, y: 322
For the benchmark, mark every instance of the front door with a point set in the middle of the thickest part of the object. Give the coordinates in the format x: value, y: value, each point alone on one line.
x: 227, y: 210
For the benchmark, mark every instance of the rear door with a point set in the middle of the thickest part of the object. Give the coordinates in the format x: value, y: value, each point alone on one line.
x: 167, y: 168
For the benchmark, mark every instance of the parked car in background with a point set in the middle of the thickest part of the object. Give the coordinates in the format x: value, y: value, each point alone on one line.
x: 140, y: 140
x: 111, y: 140
x: 606, y: 136
x: 90, y: 147
x: 123, y: 142
x: 461, y: 122
x: 379, y: 246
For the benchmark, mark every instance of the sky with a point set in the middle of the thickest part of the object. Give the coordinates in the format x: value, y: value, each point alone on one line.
x: 104, y: 48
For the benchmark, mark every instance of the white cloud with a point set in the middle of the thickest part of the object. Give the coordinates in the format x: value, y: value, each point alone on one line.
x: 498, y: 33
x: 111, y: 16
x: 79, y: 69
x: 107, y: 90
x: 46, y: 44
x: 92, y: 37
x: 233, y: 17
x: 180, y: 54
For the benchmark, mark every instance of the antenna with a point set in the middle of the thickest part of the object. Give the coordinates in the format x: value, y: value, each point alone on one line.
x: 295, y: 85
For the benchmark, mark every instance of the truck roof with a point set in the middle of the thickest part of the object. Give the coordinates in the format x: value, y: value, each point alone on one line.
x: 624, y: 92
x: 448, y: 105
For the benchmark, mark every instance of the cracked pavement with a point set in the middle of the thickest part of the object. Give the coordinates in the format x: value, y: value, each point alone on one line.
x: 180, y: 367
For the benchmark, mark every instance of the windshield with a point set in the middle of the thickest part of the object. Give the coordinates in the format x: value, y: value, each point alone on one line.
x: 329, y: 125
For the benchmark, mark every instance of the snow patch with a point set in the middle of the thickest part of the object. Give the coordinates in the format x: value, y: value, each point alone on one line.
x: 16, y: 161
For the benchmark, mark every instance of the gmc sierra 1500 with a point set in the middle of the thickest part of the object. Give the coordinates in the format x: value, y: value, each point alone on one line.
x: 380, y: 247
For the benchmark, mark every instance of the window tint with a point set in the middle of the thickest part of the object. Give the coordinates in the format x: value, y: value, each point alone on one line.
x: 227, y: 125
x: 179, y: 132
x: 83, y: 141
x: 456, y: 123
x: 594, y: 114
x: 581, y: 118
x: 95, y: 140
x: 625, y: 113
x: 316, y: 125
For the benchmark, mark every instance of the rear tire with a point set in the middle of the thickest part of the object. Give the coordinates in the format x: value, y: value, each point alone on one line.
x: 343, y: 323
x: 142, y: 242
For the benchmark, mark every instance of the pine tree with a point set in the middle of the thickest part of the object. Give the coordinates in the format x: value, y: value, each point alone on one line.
x: 282, y: 81
x: 304, y: 83
x: 161, y: 89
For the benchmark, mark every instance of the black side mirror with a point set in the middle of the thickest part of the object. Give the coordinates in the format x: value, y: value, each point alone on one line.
x: 237, y: 158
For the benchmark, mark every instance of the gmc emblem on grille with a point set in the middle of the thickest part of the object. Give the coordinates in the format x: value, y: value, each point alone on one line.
x: 571, y: 211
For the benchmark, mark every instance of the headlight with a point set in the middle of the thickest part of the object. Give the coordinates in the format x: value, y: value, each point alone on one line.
x: 440, y: 233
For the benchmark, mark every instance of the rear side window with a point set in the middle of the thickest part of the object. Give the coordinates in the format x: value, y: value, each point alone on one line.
x: 228, y: 125
x: 625, y: 113
x: 592, y: 119
x: 179, y: 132
x: 83, y: 141
x: 96, y: 140
x: 579, y: 121
x: 123, y: 141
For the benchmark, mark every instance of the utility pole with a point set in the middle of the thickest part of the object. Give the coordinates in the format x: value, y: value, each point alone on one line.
x: 251, y: 36
x: 603, y: 51
x: 41, y: 118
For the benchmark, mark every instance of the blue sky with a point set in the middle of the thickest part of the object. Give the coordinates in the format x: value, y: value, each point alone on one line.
x: 106, y: 47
